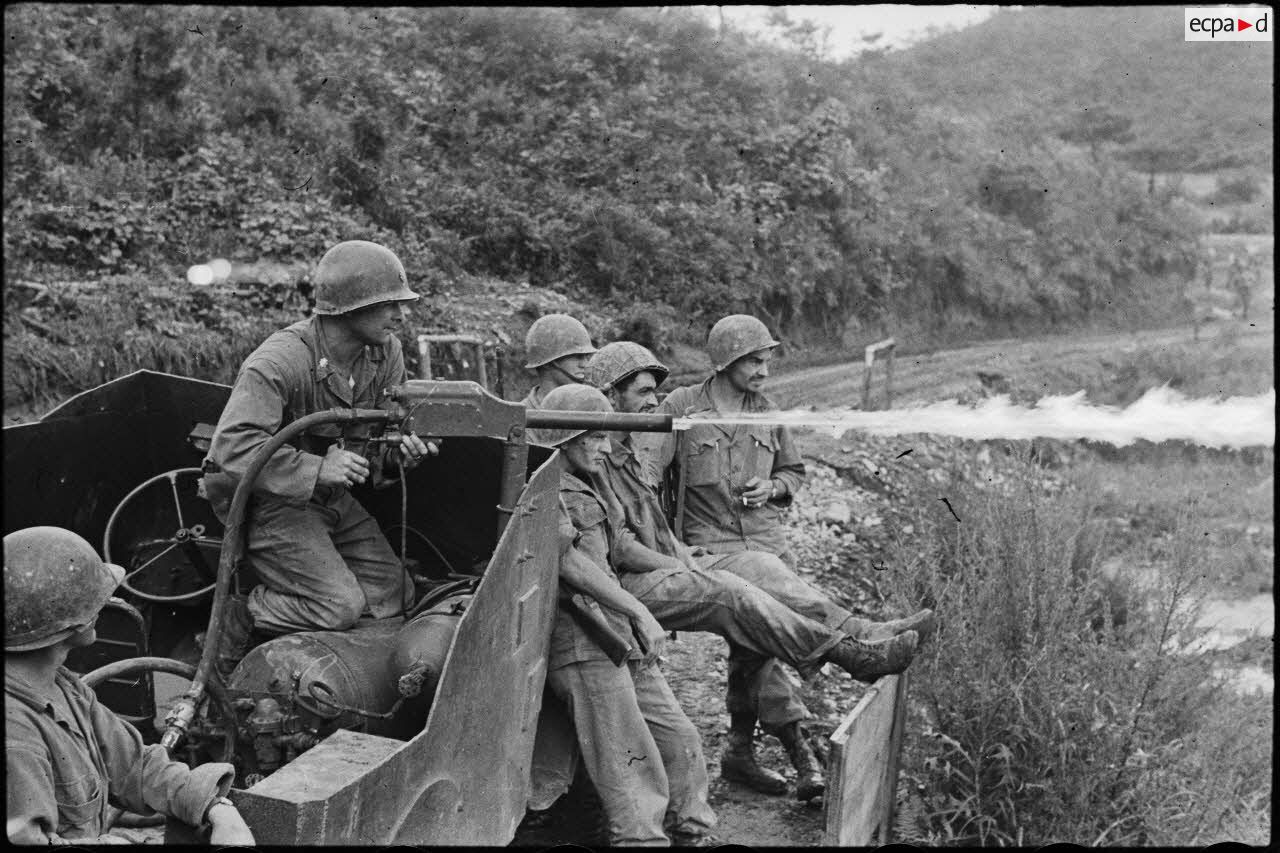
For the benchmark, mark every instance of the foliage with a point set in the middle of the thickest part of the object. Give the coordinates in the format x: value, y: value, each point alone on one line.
x: 1235, y: 191
x: 1059, y: 707
x: 626, y: 156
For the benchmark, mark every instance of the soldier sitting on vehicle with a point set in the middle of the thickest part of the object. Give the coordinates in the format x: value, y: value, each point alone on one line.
x: 638, y: 747
x: 322, y: 559
x: 557, y: 347
x: 69, y: 759
x: 694, y: 590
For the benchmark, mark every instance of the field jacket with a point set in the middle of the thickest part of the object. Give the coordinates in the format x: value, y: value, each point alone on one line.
x: 63, y: 772
x: 291, y: 375
x: 717, y: 461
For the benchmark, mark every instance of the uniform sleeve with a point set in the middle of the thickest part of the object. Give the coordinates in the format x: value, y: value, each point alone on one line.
x: 254, y: 413
x: 31, y: 812
x: 144, y: 779
x: 788, y: 466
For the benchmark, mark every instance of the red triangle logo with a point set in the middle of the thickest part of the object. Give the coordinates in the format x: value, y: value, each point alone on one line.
x: 1244, y: 25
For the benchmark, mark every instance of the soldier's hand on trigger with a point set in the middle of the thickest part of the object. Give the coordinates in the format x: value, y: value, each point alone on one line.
x: 342, y: 468
x: 755, y: 492
x: 412, y: 449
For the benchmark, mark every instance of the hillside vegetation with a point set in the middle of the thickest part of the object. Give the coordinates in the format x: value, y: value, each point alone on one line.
x: 636, y: 160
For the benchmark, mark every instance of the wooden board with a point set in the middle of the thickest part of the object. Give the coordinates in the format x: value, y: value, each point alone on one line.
x: 862, y: 772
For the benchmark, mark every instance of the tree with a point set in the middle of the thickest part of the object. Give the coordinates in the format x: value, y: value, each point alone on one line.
x: 1150, y: 159
x: 1095, y: 127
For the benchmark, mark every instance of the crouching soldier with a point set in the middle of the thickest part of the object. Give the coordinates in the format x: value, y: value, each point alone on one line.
x: 322, y: 559
x: 69, y: 759
x: 692, y: 590
x: 638, y: 747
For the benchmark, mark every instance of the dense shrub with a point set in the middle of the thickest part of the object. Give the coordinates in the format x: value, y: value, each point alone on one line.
x: 633, y: 155
x: 1048, y: 719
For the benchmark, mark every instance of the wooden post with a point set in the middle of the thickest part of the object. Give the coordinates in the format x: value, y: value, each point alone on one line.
x: 870, y: 358
x: 888, y: 379
x: 424, y: 357
x: 891, y: 771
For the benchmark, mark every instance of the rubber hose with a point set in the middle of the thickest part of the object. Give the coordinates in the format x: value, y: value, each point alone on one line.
x: 171, y: 667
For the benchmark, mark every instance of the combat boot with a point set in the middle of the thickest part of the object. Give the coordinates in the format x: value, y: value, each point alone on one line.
x: 867, y: 661
x: 237, y: 636
x: 810, y: 781
x: 922, y: 622
x: 738, y: 764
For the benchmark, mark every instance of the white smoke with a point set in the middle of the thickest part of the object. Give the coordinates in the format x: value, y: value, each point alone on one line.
x: 1161, y: 414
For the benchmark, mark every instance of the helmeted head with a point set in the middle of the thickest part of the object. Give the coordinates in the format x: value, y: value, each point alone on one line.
x: 619, y: 370
x: 573, y: 398
x: 54, y: 586
x: 734, y: 336
x: 582, y: 449
x: 356, y: 274
x: 553, y: 337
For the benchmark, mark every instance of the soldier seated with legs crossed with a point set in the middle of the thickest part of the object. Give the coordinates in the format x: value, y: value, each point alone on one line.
x: 732, y: 482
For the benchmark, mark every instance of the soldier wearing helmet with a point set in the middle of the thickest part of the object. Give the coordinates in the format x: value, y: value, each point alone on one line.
x: 639, y: 748
x: 66, y: 755
x: 557, y: 347
x: 322, y: 559
x: 746, y: 596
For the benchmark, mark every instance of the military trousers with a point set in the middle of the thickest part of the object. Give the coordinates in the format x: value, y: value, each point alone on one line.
x: 761, y: 684
x: 761, y: 630
x: 322, y: 565
x: 638, y: 748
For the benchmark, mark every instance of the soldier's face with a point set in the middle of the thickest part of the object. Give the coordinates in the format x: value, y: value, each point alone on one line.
x: 749, y: 372
x: 584, y: 455
x: 377, y: 323
x: 572, y: 366
x: 640, y: 396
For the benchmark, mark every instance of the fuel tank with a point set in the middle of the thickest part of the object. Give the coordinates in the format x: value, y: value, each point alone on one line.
x: 329, y: 680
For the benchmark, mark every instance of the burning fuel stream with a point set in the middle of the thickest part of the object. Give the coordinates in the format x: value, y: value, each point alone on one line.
x: 1161, y: 414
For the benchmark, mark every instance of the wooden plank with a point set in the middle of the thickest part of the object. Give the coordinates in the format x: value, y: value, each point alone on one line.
x: 862, y: 769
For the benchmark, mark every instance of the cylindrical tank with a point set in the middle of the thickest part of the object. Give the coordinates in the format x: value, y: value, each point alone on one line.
x: 421, y: 647
x: 315, y: 675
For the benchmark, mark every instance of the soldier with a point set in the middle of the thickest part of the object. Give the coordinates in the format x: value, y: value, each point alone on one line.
x: 68, y: 759
x: 701, y: 591
x: 557, y: 347
x: 638, y: 747
x: 731, y: 484
x: 322, y: 559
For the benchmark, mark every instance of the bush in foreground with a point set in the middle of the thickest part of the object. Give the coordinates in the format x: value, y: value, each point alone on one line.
x: 1049, y: 717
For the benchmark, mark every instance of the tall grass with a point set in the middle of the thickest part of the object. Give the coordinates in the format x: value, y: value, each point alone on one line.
x: 1046, y: 717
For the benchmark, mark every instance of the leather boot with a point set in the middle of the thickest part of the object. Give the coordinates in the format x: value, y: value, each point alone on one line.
x: 810, y: 781
x: 738, y: 761
x: 867, y: 661
x: 922, y: 622
x: 237, y: 636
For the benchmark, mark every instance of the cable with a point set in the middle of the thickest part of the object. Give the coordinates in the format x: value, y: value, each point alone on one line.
x: 430, y: 545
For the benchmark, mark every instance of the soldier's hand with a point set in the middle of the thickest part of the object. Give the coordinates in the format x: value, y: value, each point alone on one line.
x: 226, y: 827
x: 651, y: 633
x: 755, y: 492
x: 412, y: 449
x: 342, y: 468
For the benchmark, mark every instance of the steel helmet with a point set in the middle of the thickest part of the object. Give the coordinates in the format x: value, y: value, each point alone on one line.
x: 619, y: 360
x: 356, y: 274
x: 54, y: 586
x: 554, y: 336
x: 734, y: 336
x: 572, y: 398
